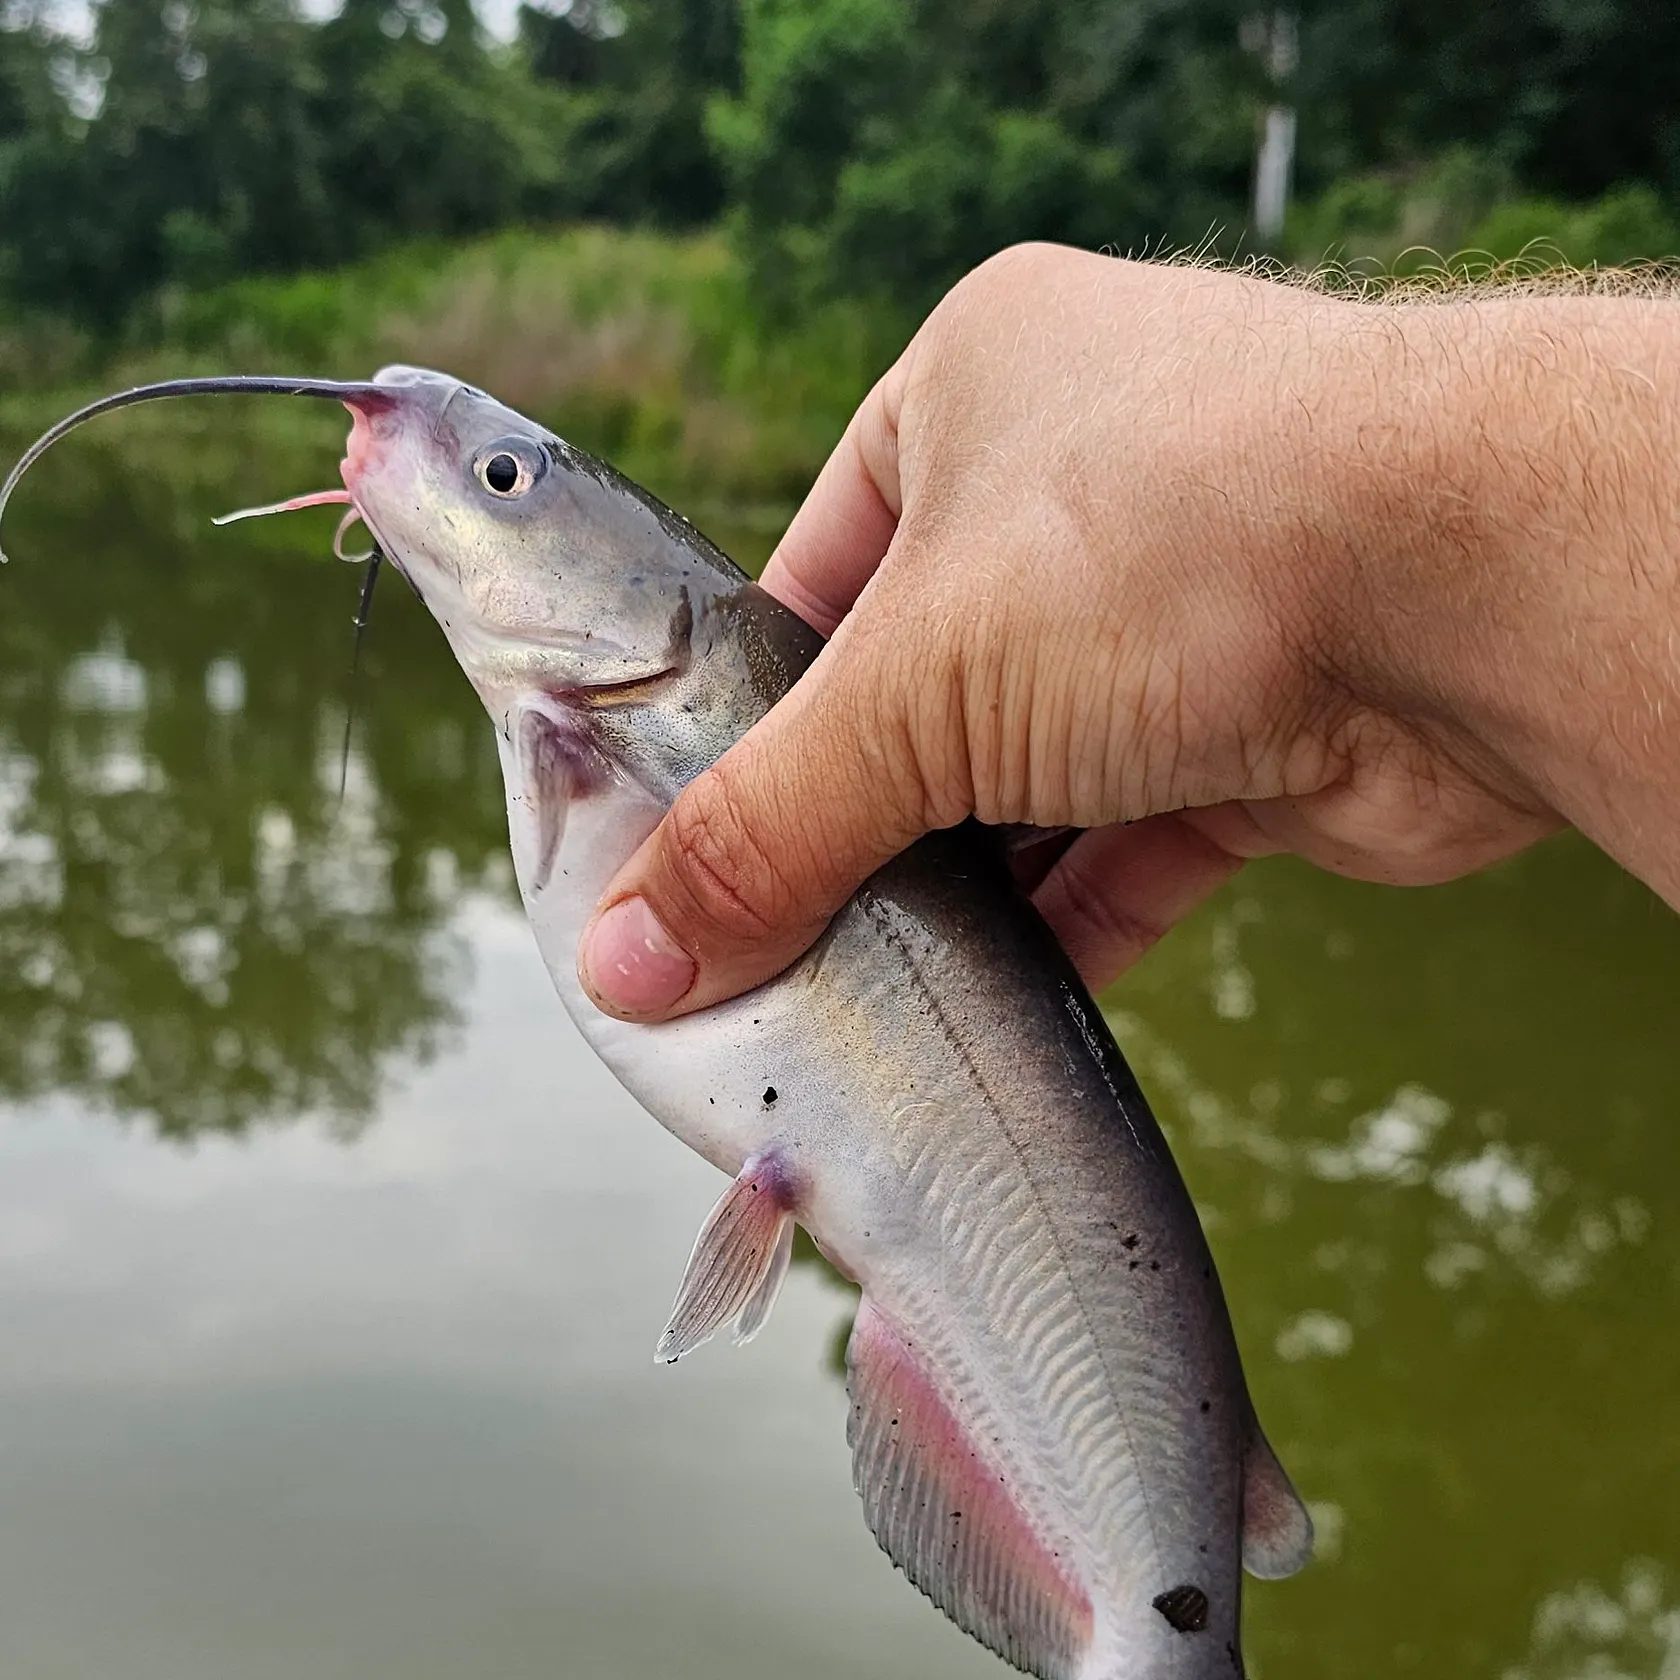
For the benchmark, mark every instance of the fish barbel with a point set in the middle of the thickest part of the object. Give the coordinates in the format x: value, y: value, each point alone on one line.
x: 1050, y: 1427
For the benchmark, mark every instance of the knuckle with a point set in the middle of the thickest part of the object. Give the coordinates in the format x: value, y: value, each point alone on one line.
x: 1005, y: 282
x: 1026, y: 259
x: 726, y: 875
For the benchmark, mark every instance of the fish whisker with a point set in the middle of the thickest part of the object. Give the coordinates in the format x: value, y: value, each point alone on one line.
x: 316, y: 498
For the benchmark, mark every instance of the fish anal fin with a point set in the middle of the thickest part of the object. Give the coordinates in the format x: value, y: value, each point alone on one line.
x: 1277, y: 1535
x: 739, y: 1261
x: 943, y: 1513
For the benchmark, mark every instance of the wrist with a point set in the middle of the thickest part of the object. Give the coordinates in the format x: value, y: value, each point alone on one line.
x: 1504, y: 561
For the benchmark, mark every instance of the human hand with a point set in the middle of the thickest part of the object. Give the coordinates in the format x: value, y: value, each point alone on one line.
x: 1206, y: 566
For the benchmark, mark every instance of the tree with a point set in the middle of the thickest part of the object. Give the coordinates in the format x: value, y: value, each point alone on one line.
x: 1569, y: 98
x: 234, y: 136
x: 889, y: 145
x: 638, y: 78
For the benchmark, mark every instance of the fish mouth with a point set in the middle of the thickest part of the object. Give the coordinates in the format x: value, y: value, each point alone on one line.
x: 363, y: 451
x: 356, y: 450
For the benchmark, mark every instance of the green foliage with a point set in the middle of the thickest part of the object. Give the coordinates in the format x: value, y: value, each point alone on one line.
x: 25, y: 98
x: 640, y: 75
x: 1465, y: 212
x: 1572, y: 96
x: 863, y: 149
x: 1630, y: 225
x: 885, y: 146
x: 237, y: 137
x: 910, y: 221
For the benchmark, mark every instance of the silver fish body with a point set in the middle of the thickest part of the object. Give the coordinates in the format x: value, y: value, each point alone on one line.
x: 1051, y: 1431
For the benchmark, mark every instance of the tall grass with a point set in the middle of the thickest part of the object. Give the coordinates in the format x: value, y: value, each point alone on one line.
x: 640, y: 347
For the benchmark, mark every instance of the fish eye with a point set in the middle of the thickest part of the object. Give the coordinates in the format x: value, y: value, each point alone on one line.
x: 510, y: 467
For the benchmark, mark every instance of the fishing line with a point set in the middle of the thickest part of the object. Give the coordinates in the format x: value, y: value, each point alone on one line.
x: 364, y: 605
x: 364, y: 611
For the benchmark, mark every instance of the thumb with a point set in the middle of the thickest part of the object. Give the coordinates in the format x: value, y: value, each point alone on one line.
x: 759, y: 851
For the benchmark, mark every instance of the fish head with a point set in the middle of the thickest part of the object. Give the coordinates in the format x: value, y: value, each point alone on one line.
x: 567, y: 592
x: 543, y: 566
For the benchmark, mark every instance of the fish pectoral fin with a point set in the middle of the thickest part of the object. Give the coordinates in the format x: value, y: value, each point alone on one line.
x: 1277, y: 1534
x: 739, y: 1261
x: 942, y: 1510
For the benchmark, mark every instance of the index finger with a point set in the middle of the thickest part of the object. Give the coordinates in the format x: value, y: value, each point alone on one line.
x: 843, y: 529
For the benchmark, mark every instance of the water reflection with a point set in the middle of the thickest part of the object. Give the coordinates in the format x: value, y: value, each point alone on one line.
x: 359, y: 1409
x: 192, y: 926
x: 1584, y: 1632
x: 1438, y: 1151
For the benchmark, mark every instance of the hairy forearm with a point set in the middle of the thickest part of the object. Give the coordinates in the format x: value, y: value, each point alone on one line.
x: 1508, y: 471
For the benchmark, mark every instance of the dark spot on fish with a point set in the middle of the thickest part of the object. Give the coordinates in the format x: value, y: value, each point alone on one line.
x: 1134, y: 1265
x: 680, y: 646
x: 1129, y: 1242
x: 1186, y: 1608
x: 1154, y: 1265
x: 1207, y: 1272
x: 769, y: 1095
x: 1207, y: 1406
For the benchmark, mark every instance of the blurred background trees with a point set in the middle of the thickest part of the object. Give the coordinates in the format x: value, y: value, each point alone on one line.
x: 872, y: 148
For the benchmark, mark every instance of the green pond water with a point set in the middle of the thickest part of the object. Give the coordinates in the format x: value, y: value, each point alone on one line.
x: 331, y: 1263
